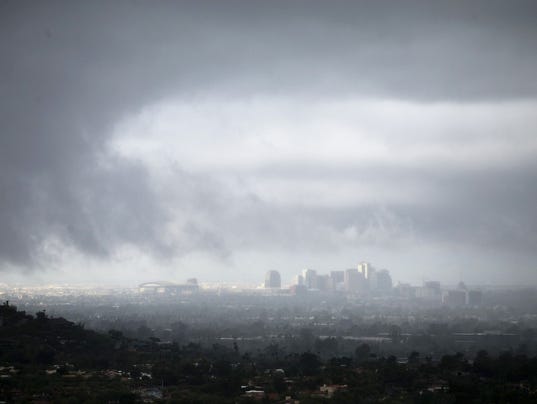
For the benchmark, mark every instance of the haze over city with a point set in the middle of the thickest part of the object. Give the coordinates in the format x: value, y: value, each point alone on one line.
x: 285, y: 201
x: 149, y: 141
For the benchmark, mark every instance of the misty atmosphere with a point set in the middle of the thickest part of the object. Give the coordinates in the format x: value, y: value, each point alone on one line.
x: 291, y: 201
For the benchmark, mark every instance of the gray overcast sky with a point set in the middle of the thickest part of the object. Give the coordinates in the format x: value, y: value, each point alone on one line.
x: 158, y: 140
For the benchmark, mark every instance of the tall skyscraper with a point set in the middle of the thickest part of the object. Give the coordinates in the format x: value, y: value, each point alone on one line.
x: 337, y: 276
x: 310, y: 278
x: 324, y: 283
x: 273, y: 280
x: 354, y: 280
x: 369, y: 273
x: 384, y: 281
x: 337, y: 279
x: 366, y: 269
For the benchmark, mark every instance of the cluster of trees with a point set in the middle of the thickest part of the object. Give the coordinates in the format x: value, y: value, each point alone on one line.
x: 81, y: 360
x: 41, y: 340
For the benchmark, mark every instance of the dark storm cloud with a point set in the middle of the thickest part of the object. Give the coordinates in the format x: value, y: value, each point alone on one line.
x: 488, y: 209
x: 70, y: 70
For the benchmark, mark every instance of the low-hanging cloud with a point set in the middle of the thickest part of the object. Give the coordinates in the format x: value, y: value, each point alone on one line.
x: 345, y: 166
x: 72, y: 72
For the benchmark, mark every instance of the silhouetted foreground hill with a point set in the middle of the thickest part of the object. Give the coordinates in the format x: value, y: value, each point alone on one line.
x: 52, y: 360
x: 41, y: 340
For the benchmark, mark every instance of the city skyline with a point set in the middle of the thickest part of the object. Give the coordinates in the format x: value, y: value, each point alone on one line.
x: 286, y: 281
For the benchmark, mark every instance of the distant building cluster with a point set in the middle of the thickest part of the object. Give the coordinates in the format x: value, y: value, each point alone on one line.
x: 432, y: 291
x: 362, y: 279
x: 365, y: 280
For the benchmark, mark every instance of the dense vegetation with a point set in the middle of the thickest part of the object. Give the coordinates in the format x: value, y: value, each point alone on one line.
x: 46, y: 359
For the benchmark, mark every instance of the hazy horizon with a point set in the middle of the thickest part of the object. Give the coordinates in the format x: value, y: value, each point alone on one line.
x: 221, y: 139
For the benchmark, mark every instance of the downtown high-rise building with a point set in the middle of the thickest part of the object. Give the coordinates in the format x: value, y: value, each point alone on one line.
x: 324, y: 283
x: 337, y: 279
x: 384, y: 281
x: 354, y: 280
x: 273, y: 280
x: 369, y: 273
x: 310, y: 278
